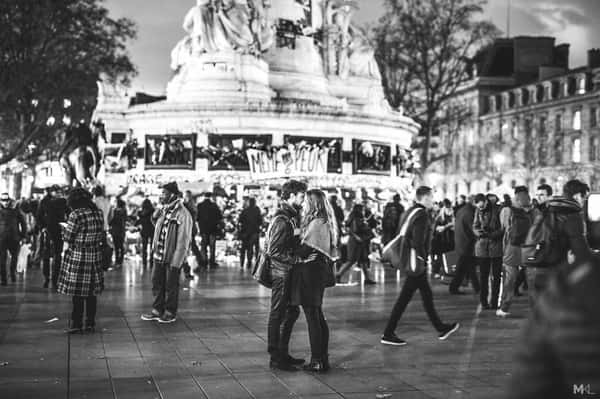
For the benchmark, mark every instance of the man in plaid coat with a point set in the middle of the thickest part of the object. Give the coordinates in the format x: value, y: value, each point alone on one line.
x: 172, y: 239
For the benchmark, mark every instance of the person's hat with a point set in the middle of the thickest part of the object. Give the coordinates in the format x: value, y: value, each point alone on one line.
x: 171, y: 187
x: 4, y: 197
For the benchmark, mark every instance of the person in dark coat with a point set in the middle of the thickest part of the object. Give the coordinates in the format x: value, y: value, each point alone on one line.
x: 146, y: 224
x: 249, y: 231
x: 488, y: 248
x: 339, y: 218
x: 360, y: 235
x: 81, y: 272
x: 416, y: 230
x: 559, y: 353
x: 443, y: 236
x: 392, y: 213
x: 319, y: 238
x: 13, y: 229
x: 51, y: 212
x: 464, y: 245
x: 209, y: 223
x: 118, y: 226
x: 571, y: 235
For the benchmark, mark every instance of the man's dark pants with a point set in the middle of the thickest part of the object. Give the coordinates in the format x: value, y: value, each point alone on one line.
x: 165, y: 287
x: 411, y: 285
x: 485, y: 265
x: 281, y: 318
x: 247, y: 250
x: 8, y: 244
x: 209, y: 241
x: 56, y: 245
x: 465, y: 266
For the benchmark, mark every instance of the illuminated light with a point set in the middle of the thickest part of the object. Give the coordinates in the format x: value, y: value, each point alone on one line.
x: 51, y: 121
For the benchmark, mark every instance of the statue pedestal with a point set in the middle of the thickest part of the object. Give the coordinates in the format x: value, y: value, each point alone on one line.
x: 357, y: 90
x: 218, y: 78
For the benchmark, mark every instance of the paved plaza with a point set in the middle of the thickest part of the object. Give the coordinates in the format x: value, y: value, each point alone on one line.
x: 217, y: 347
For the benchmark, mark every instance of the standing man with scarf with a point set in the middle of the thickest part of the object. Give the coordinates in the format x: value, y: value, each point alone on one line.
x: 172, y: 239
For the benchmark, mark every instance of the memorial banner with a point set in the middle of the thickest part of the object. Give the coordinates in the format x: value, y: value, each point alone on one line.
x: 298, y: 162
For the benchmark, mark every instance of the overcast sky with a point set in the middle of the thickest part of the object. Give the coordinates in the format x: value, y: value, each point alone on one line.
x: 159, y: 28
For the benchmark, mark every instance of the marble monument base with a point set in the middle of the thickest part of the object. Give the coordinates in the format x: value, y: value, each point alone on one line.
x: 221, y: 78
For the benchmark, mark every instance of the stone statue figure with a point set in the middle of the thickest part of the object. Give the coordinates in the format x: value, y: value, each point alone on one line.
x: 338, y: 14
x: 181, y: 53
x: 225, y: 25
x: 361, y: 61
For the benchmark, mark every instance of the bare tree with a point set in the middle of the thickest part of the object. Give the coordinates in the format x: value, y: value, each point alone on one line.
x: 421, y: 48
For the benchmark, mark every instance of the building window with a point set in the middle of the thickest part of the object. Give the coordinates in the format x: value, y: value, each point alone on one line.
x: 594, y: 143
x: 576, y: 150
x: 577, y: 120
x: 543, y: 141
x: 558, y: 123
x: 593, y: 117
x: 558, y: 148
x: 457, y: 162
x: 528, y: 132
x: 581, y: 86
x: 469, y: 161
x: 503, y: 131
x: 515, y: 128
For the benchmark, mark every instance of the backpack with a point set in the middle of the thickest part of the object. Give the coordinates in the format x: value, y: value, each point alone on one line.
x: 520, y: 222
x: 541, y: 248
x: 398, y: 251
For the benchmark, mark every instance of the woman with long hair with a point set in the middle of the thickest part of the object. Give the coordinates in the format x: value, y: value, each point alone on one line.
x: 359, y: 236
x: 319, y: 234
x: 146, y: 225
x: 81, y: 270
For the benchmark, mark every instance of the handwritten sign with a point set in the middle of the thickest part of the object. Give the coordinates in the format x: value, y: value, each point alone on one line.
x: 285, y: 162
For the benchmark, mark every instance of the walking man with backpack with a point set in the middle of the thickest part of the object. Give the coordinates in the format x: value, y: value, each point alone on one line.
x: 557, y: 232
x: 515, y: 221
x: 409, y: 251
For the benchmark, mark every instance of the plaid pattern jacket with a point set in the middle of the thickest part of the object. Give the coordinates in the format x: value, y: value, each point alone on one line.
x: 81, y: 268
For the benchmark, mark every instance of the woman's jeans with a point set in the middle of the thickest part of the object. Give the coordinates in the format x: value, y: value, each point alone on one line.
x: 77, y: 315
x: 318, y: 332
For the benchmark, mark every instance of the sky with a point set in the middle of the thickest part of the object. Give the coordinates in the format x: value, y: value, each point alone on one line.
x: 159, y: 28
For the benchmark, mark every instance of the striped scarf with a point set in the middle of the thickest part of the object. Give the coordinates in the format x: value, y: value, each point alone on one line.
x: 159, y: 250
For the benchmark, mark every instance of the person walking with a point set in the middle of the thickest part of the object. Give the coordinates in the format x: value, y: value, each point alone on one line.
x: 413, y: 257
x: 488, y: 249
x: 464, y: 245
x: 51, y: 212
x: 359, y: 236
x: 209, y: 222
x: 443, y: 236
x: 249, y: 231
x: 318, y: 239
x: 118, y: 227
x: 146, y: 225
x: 515, y: 221
x: 171, y: 243
x: 13, y: 229
x: 282, y: 244
x: 81, y: 275
x: 391, y: 218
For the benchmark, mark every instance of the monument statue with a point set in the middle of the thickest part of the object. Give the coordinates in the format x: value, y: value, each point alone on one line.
x: 224, y: 25
x: 361, y: 61
x: 338, y: 14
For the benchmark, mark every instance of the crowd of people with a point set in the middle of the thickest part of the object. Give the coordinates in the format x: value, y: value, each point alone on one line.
x: 515, y: 242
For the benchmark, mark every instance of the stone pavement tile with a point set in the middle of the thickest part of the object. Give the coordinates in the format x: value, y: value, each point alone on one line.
x: 209, y: 366
x: 90, y: 384
x: 136, y: 385
x: 304, y: 384
x: 224, y: 387
x: 265, y: 385
x: 180, y: 388
x: 254, y: 362
x: 388, y: 395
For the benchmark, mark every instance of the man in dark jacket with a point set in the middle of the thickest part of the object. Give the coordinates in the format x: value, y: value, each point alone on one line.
x: 12, y: 230
x: 283, y: 241
x: 417, y: 236
x: 249, y: 231
x: 209, y: 222
x: 391, y: 218
x: 464, y: 245
x: 51, y: 212
x: 488, y: 248
x: 571, y: 235
x: 543, y: 194
x: 559, y: 356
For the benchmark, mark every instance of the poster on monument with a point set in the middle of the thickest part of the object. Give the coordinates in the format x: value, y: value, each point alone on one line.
x: 333, y: 145
x: 371, y: 157
x: 302, y: 161
x: 228, y: 151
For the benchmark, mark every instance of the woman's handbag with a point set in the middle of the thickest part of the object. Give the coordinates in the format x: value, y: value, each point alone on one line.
x: 262, y: 269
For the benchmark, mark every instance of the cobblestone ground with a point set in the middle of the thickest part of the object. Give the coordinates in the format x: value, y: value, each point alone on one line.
x: 217, y: 347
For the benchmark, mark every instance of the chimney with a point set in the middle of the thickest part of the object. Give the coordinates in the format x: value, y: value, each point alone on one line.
x: 593, y: 58
x: 561, y: 55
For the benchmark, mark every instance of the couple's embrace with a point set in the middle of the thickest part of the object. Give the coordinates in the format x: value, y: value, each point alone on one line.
x: 301, y: 244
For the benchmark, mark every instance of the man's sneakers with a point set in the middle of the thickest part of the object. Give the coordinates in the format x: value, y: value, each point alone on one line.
x: 502, y: 313
x: 448, y: 331
x: 392, y: 340
x: 167, y: 318
x: 154, y: 315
